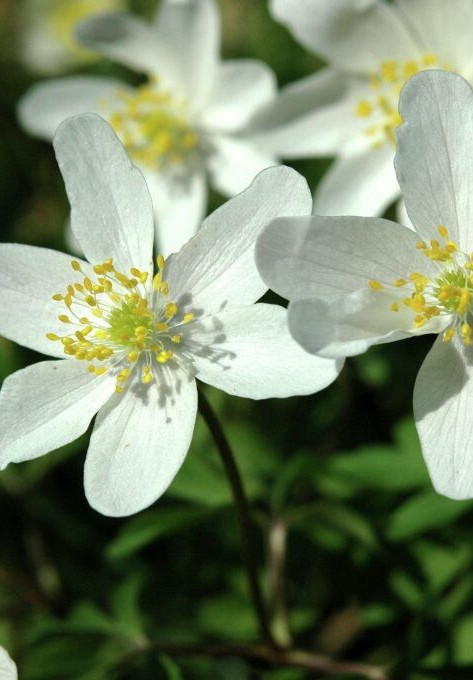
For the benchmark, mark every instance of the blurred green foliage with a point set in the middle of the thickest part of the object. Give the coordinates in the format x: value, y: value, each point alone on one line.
x: 378, y: 567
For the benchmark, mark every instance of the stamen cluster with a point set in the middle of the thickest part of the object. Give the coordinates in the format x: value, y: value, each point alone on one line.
x: 119, y: 320
x: 450, y: 293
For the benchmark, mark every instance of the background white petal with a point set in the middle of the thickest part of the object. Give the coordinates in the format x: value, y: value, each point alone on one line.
x: 217, y: 266
x: 7, y: 666
x: 190, y: 32
x: 241, y: 88
x: 300, y: 257
x: 111, y: 209
x: 363, y: 183
x: 345, y: 326
x: 442, y: 28
x: 46, y: 406
x: 434, y: 154
x: 313, y: 116
x: 29, y: 277
x: 179, y: 208
x: 132, y: 42
x: 234, y: 162
x: 443, y: 403
x: 47, y: 104
x: 355, y: 35
x: 139, y: 442
x: 249, y: 352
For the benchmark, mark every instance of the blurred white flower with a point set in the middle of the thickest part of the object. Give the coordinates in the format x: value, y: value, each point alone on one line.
x: 185, y: 122
x: 355, y: 282
x: 47, y: 42
x: 135, y: 341
x: 7, y: 666
x: 350, y: 108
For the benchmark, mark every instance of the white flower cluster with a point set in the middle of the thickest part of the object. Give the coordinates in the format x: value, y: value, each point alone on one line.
x: 129, y: 332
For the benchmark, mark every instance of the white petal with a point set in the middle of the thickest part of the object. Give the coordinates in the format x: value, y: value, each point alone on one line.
x: 46, y: 406
x: 179, y: 208
x: 355, y: 35
x: 434, y: 152
x: 447, y: 34
x: 235, y: 162
x: 112, y: 212
x: 7, y: 666
x: 241, y: 88
x: 191, y: 32
x: 443, y: 402
x: 29, y: 277
x: 402, y: 216
x: 248, y: 352
x: 325, y: 256
x: 360, y: 184
x: 139, y: 442
x: 313, y: 116
x: 132, y: 42
x: 217, y: 266
x: 46, y: 105
x: 348, y: 325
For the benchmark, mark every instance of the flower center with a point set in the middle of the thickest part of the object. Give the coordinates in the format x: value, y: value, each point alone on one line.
x: 154, y: 129
x: 450, y: 293
x: 117, y: 322
x: 381, y: 110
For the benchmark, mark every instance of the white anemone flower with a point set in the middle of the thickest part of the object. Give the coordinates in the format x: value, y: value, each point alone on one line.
x: 350, y: 108
x: 355, y: 282
x: 128, y: 343
x: 186, y: 122
x: 47, y: 42
x: 7, y: 666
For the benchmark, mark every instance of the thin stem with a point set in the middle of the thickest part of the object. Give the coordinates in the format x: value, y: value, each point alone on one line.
x: 277, y: 534
x: 243, y: 513
x: 286, y: 658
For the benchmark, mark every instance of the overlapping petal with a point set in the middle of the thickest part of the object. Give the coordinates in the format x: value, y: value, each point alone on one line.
x: 249, y: 352
x: 326, y: 256
x: 46, y: 406
x: 7, y: 666
x: 112, y: 212
x: 443, y: 402
x: 434, y: 152
x: 139, y: 442
x: 217, y: 266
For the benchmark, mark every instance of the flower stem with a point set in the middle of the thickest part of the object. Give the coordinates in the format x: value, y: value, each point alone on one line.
x: 243, y: 513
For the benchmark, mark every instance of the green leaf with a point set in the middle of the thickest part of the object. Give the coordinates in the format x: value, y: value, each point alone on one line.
x: 153, y: 525
x: 424, y: 512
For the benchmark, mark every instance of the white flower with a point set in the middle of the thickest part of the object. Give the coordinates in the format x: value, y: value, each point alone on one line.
x: 7, y: 666
x: 355, y: 282
x: 186, y: 122
x: 47, y: 42
x: 135, y: 341
x: 350, y: 108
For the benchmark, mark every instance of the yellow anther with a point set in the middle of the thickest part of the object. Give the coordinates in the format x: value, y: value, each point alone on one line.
x: 400, y: 282
x: 90, y: 300
x: 443, y: 231
x: 394, y: 307
x: 164, y: 356
x: 162, y: 326
x: 75, y: 266
x: 133, y: 355
x: 364, y: 108
x: 52, y: 336
x: 64, y: 318
x: 188, y: 317
x: 176, y: 339
x: 161, y: 262
x: 421, y: 245
x: 375, y: 285
x: 170, y: 310
x: 147, y: 375
x: 429, y: 59
x: 448, y: 335
x: 57, y: 297
x: 135, y: 272
x: 99, y: 269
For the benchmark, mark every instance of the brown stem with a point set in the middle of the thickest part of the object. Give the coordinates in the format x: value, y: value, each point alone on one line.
x: 243, y: 513
x: 286, y: 658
